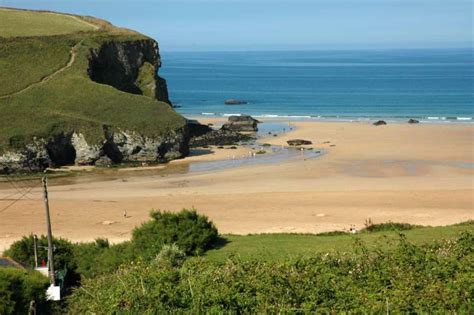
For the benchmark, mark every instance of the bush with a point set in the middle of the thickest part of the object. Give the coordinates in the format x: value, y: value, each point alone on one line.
x: 18, y: 288
x: 191, y: 232
x: 64, y: 261
x: 23, y: 251
x: 409, y: 279
x: 100, y: 257
x: 171, y: 254
x: 389, y: 226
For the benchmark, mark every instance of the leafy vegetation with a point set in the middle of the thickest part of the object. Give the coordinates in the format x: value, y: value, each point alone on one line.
x: 18, y: 288
x: 191, y: 232
x: 185, y: 230
x: 65, y: 264
x: 407, y: 279
x: 424, y: 269
x: 389, y: 226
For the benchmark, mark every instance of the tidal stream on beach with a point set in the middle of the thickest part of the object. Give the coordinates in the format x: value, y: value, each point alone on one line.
x: 256, y: 153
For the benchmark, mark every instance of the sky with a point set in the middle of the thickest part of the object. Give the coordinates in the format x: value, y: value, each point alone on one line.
x: 220, y: 25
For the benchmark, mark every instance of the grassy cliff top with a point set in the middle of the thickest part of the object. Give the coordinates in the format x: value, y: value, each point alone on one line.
x: 45, y: 88
x: 14, y: 23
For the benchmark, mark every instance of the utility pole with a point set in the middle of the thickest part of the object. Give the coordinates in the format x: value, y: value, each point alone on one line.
x: 35, y: 249
x: 50, y: 234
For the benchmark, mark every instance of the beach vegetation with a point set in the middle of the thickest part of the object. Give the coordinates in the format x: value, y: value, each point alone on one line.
x: 191, y: 232
x: 20, y: 287
x: 409, y: 278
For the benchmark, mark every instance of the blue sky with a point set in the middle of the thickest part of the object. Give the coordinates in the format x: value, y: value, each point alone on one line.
x: 282, y: 25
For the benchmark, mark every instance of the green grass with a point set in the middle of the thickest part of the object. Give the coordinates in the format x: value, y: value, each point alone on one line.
x: 70, y: 101
x: 27, y: 60
x: 280, y: 247
x: 15, y: 23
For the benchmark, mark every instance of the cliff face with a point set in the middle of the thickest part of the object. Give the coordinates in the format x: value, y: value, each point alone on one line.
x: 117, y: 147
x: 130, y: 66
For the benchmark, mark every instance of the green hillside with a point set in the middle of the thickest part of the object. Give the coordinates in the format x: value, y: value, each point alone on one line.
x: 14, y: 23
x: 45, y: 88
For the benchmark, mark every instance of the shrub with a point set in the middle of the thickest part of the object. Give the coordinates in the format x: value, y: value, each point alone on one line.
x: 23, y: 251
x: 171, y: 254
x: 190, y: 231
x: 409, y: 279
x: 100, y: 257
x: 18, y: 288
x: 64, y: 260
x: 389, y: 226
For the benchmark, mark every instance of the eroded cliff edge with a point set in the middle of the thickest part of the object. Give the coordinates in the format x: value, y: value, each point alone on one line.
x: 130, y: 66
x: 110, y: 106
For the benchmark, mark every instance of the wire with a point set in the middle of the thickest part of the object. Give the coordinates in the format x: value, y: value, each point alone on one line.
x: 14, y: 201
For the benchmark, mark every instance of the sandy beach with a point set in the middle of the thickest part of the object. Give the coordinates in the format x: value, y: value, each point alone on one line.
x: 419, y: 174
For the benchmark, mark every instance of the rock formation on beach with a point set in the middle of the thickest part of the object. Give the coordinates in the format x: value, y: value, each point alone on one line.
x: 298, y: 142
x: 241, y: 123
x: 379, y: 123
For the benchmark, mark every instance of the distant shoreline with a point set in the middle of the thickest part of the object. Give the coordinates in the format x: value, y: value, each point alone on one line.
x: 315, y: 118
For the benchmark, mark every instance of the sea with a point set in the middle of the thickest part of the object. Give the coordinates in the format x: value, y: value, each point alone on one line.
x: 433, y: 85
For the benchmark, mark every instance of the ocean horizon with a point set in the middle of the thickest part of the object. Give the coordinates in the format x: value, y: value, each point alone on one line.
x: 433, y: 85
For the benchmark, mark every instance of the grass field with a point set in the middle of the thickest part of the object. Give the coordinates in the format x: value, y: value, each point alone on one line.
x: 70, y: 101
x: 48, y: 53
x: 14, y: 23
x: 281, y: 247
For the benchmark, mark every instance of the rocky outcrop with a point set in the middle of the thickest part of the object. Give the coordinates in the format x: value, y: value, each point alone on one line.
x: 196, y: 129
x: 380, y: 123
x: 298, y: 142
x: 219, y: 138
x: 235, y: 102
x: 241, y: 123
x: 413, y: 121
x: 33, y: 158
x: 117, y: 147
x: 130, y: 66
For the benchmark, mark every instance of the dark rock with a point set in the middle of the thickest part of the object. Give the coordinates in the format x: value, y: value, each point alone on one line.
x: 413, y: 121
x: 60, y: 150
x: 197, y: 129
x: 379, y: 123
x: 235, y: 102
x: 241, y: 123
x: 298, y: 142
x: 120, y: 65
x: 219, y: 138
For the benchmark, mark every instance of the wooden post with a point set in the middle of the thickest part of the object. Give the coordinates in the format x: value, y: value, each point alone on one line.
x: 35, y: 249
x: 50, y: 234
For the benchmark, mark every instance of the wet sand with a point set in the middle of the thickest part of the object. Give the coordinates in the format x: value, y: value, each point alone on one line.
x: 420, y: 174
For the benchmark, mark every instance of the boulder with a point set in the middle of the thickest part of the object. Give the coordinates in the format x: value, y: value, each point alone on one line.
x: 235, y: 102
x: 298, y: 142
x: 413, y: 121
x: 196, y: 129
x: 379, y: 123
x: 241, y: 123
x: 219, y: 138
